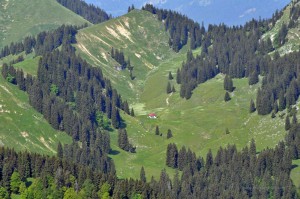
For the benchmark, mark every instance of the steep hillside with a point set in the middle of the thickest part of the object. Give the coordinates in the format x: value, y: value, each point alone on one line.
x: 22, y: 18
x: 293, y: 35
x: 199, y: 123
x: 142, y: 39
x: 22, y: 127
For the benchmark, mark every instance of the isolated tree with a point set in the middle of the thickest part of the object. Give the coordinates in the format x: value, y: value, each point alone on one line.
x: 228, y: 83
x: 132, y: 112
x: 169, y: 88
x: 156, y: 130
x: 170, y: 76
x: 227, y: 97
x: 143, y: 175
x: 169, y: 134
x: 252, y: 106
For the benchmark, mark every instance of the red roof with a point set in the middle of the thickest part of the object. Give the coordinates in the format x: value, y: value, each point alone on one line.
x: 152, y: 115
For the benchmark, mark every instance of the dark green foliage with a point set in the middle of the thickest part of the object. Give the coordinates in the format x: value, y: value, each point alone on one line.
x: 263, y: 102
x: 253, y: 78
x: 132, y: 112
x: 227, y: 97
x: 89, y: 12
x: 294, y: 121
x: 123, y: 141
x: 60, y: 152
x: 178, y: 76
x: 179, y: 27
x: 169, y: 134
x: 169, y: 88
x: 227, y: 131
x: 143, y: 175
x: 252, y: 106
x: 287, y: 125
x: 172, y: 156
x: 228, y: 84
x: 156, y: 130
x: 118, y: 55
x: 170, y: 77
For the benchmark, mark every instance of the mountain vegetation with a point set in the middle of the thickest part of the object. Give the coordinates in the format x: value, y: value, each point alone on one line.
x: 79, y: 85
x: 91, y: 13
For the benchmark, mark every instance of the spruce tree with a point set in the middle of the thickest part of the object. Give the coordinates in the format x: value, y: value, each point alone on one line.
x: 227, y: 97
x: 170, y: 76
x: 178, y: 76
x: 252, y: 106
x: 143, y: 175
x: 59, y: 150
x: 156, y: 130
x: 169, y: 134
x: 169, y: 88
x: 132, y: 112
x: 228, y: 83
x: 287, y: 123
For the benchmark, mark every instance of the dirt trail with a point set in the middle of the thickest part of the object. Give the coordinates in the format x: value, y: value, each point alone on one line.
x: 167, y: 100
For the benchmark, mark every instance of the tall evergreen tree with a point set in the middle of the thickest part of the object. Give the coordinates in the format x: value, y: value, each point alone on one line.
x: 228, y: 83
x: 252, y: 106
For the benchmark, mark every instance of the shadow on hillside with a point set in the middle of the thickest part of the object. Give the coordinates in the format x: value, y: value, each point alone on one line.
x: 114, y: 152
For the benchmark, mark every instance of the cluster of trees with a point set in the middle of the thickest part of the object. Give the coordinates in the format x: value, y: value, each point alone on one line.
x: 89, y: 12
x: 44, y: 41
x: 294, y: 14
x: 179, y: 26
x: 280, y: 85
x: 237, y: 174
x: 118, y: 55
x: 180, y: 159
x: 123, y: 141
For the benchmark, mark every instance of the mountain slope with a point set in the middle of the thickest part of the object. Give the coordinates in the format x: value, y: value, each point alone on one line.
x: 19, y: 19
x: 293, y: 34
x: 199, y: 123
x: 22, y: 127
x: 142, y: 39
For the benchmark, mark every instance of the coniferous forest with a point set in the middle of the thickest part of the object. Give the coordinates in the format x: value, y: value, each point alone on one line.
x: 75, y: 97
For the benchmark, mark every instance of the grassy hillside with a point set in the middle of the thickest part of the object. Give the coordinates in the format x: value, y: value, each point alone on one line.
x: 142, y: 39
x: 198, y: 123
x: 22, y: 127
x: 293, y: 36
x: 19, y: 18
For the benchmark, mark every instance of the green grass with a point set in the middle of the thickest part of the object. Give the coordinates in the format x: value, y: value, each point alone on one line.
x: 19, y: 18
x: 29, y: 65
x: 198, y: 123
x: 22, y: 127
x: 142, y: 38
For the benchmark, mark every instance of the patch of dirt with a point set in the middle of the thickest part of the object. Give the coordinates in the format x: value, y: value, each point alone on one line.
x: 85, y: 50
x: 42, y: 139
x: 113, y: 33
x: 104, y: 56
x: 167, y: 100
x: 126, y: 21
x: 137, y: 55
x: 4, y: 88
x: 99, y: 39
x: 124, y: 32
x: 24, y: 134
x: 5, y: 5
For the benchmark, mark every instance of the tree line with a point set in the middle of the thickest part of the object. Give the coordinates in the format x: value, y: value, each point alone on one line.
x: 89, y: 12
